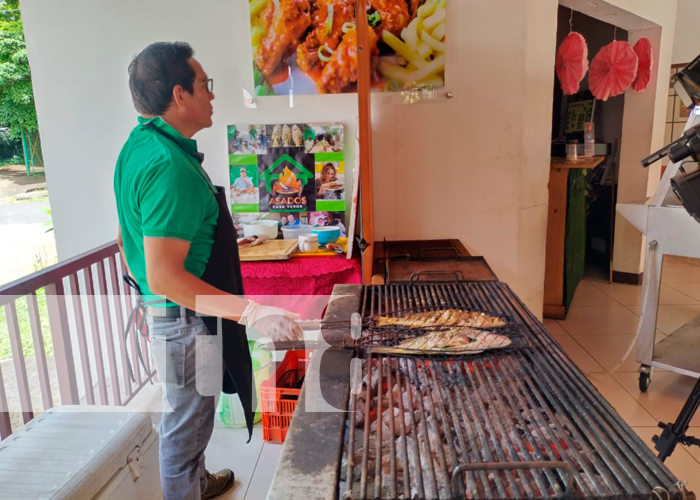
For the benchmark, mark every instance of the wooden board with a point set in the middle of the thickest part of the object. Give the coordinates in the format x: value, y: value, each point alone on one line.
x: 580, y: 163
x: 556, y: 232
x: 270, y: 250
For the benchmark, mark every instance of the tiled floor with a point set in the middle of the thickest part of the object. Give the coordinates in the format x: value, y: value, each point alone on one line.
x: 253, y: 463
x: 602, y: 322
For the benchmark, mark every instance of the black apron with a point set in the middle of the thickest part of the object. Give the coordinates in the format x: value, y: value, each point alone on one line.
x: 223, y: 271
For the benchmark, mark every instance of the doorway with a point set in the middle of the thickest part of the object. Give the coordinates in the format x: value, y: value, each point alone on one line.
x: 592, y: 185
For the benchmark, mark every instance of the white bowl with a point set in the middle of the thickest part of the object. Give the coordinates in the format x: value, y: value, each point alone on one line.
x: 293, y: 232
x: 266, y: 227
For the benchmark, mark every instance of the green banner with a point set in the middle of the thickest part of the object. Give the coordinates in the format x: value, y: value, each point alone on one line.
x: 330, y: 205
x: 321, y: 157
x: 242, y: 159
x: 244, y: 208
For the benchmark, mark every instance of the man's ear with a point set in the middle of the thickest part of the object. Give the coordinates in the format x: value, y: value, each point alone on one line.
x: 178, y: 96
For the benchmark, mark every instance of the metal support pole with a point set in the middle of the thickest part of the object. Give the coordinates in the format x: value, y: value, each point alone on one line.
x: 675, y: 433
x: 26, y: 154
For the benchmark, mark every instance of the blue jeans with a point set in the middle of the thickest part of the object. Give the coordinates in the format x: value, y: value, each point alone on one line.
x: 188, y: 416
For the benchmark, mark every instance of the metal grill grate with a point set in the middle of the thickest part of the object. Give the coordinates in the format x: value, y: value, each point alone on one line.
x: 417, y: 420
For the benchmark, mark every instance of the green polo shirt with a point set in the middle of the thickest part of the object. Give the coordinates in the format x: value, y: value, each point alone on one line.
x: 163, y: 192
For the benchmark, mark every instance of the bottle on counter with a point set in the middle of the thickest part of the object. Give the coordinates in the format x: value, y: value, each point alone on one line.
x: 572, y: 151
x: 589, y: 139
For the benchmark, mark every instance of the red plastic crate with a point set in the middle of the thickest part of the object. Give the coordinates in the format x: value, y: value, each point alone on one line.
x: 278, y: 399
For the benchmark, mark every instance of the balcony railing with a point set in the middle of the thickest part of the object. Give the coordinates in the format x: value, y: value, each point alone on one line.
x: 85, y: 305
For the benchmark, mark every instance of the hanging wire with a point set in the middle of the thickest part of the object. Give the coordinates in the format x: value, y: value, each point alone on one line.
x: 571, y: 21
x: 615, y: 32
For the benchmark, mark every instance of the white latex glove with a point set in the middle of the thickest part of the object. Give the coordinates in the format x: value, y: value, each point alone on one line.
x: 273, y: 322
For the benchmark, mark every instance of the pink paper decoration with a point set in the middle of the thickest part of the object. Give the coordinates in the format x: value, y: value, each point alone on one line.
x: 613, y: 70
x: 646, y: 63
x: 572, y: 62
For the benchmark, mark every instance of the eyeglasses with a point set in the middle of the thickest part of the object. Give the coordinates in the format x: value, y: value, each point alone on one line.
x: 209, y: 83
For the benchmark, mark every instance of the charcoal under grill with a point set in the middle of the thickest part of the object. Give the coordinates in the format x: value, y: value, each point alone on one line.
x: 525, y: 422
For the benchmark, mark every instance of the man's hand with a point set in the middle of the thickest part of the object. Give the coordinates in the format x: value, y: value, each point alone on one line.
x: 273, y: 322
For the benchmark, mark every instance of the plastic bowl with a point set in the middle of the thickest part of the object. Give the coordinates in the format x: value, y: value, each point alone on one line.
x: 327, y: 234
x: 293, y: 232
x: 267, y: 227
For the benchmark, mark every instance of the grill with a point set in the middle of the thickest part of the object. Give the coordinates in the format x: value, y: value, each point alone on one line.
x: 523, y: 423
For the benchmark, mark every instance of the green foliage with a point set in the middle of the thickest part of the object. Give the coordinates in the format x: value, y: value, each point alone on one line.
x: 10, y: 147
x: 15, y: 160
x: 17, y: 109
x: 25, y: 328
x: 9, y: 10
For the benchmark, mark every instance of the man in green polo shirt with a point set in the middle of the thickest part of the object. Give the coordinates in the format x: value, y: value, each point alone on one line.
x: 174, y: 226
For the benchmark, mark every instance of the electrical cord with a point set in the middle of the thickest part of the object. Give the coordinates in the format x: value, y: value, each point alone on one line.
x: 136, y: 321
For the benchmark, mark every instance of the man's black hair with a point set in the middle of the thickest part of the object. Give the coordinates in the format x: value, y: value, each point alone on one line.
x: 154, y: 73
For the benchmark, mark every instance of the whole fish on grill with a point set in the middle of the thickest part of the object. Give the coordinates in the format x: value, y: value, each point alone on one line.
x: 443, y: 318
x: 457, y: 340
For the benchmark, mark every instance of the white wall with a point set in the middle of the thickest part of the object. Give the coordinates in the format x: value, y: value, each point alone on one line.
x: 643, y: 128
x: 474, y: 167
x: 79, y: 51
x: 686, y: 46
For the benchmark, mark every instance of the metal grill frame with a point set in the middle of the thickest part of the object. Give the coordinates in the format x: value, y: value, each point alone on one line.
x: 618, y: 463
x: 310, y: 461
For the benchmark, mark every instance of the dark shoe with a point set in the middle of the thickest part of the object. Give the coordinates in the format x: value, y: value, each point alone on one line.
x: 217, y: 484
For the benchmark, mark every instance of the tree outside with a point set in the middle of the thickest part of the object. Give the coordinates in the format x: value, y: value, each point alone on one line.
x: 25, y: 244
x: 17, y: 110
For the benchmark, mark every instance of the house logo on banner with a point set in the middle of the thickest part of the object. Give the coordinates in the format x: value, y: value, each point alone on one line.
x: 294, y: 173
x: 285, y: 184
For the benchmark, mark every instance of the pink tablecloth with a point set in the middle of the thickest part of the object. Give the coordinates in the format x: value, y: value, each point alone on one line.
x: 303, y: 276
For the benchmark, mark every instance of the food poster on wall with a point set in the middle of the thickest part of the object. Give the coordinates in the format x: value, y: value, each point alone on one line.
x: 287, y: 168
x: 310, y: 46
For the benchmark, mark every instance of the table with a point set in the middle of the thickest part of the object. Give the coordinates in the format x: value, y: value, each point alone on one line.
x: 554, y: 300
x: 308, y: 276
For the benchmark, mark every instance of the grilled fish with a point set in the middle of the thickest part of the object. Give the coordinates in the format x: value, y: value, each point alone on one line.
x: 456, y: 339
x: 445, y: 317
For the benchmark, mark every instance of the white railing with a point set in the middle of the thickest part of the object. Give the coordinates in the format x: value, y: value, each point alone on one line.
x: 86, y: 305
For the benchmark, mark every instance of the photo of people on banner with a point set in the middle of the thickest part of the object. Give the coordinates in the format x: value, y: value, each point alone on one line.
x: 247, y: 140
x: 330, y: 185
x: 272, y: 168
x: 323, y: 138
x: 244, y: 188
x: 323, y: 219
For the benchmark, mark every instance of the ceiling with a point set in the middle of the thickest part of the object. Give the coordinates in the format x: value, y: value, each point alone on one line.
x: 603, y: 11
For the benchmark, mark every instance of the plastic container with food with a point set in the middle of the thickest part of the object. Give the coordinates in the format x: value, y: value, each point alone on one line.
x: 266, y: 227
x: 293, y: 232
